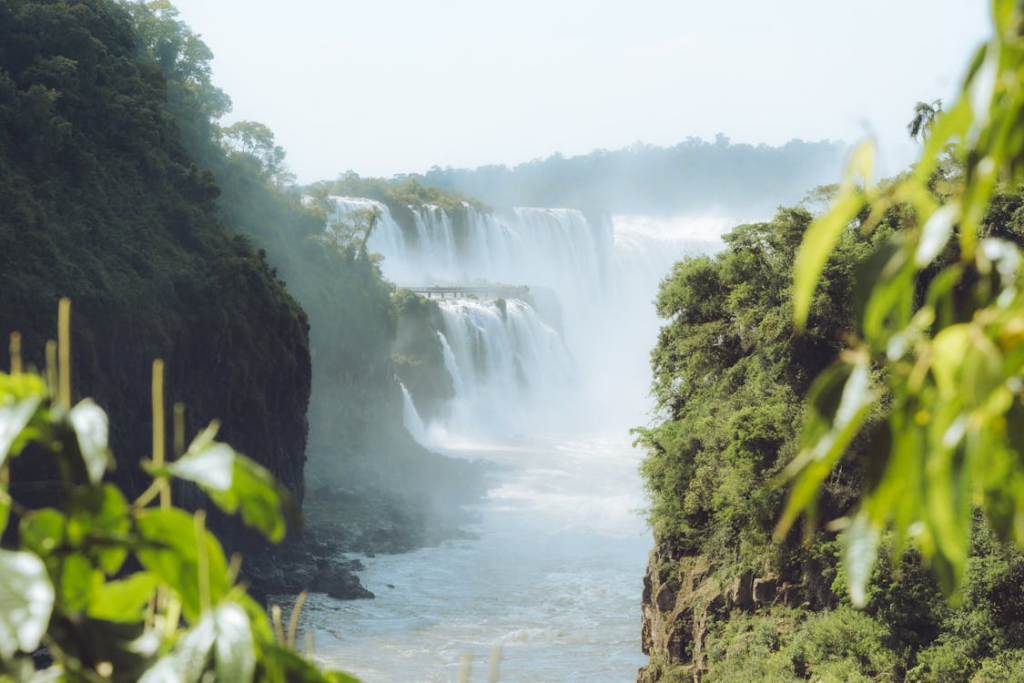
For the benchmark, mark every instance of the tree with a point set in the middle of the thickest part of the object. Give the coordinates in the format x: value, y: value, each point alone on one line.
x: 939, y: 362
x: 256, y: 141
x: 924, y: 119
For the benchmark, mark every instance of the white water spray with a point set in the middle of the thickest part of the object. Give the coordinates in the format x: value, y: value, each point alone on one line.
x: 546, y: 388
x: 411, y: 419
x: 592, y: 283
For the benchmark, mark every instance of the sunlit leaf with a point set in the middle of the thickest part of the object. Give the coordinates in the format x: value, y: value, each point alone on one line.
x: 212, y: 467
x: 880, y: 288
x: 78, y: 580
x: 950, y: 125
x: 171, y: 553
x: 862, y: 164
x: 860, y: 550
x: 935, y: 234
x: 818, y: 242
x: 286, y: 666
x: 20, y: 397
x: 26, y: 601
x: 42, y: 532
x: 124, y: 600
x: 948, y: 349
x: 91, y: 427
x: 982, y: 371
x: 837, y: 407
x: 234, y: 483
x: 234, y: 650
x: 164, y: 671
x: 220, y: 643
x: 257, y: 495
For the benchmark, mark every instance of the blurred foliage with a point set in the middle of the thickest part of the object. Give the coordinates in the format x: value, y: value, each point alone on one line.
x: 938, y: 359
x: 103, y: 197
x: 122, y: 591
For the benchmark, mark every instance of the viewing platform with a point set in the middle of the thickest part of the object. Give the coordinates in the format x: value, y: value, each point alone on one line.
x: 482, y: 292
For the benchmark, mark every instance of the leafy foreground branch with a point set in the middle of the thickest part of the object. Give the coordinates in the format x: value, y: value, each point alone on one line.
x: 70, y: 586
x: 936, y: 379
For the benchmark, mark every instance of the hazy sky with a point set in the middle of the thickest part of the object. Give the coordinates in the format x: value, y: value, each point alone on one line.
x: 391, y: 86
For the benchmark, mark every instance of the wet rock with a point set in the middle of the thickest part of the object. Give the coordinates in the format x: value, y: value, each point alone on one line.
x: 667, y: 595
x: 741, y: 591
x: 337, y: 580
x: 765, y: 590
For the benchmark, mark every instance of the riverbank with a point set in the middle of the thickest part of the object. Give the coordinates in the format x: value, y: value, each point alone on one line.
x: 339, y: 522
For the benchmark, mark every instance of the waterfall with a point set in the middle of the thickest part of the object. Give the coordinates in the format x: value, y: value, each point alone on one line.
x: 509, y: 368
x: 452, y: 365
x: 411, y: 418
x: 577, y: 347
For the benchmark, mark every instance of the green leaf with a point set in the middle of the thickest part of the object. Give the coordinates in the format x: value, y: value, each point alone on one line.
x: 880, y: 289
x: 282, y: 665
x: 860, y: 550
x: 212, y: 467
x: 78, y: 581
x: 234, y: 650
x: 171, y: 553
x: 255, y: 492
x: 982, y: 371
x: 164, y: 671
x: 42, y: 532
x: 340, y: 677
x: 19, y: 401
x: 26, y: 602
x: 838, y: 405
x: 123, y: 601
x: 233, y: 482
x: 99, y: 524
x: 818, y: 242
x: 935, y: 234
x: 92, y: 427
x: 5, y: 508
x: 224, y: 636
x: 948, y: 349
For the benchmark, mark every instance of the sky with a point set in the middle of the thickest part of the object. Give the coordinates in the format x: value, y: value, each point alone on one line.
x: 383, y: 87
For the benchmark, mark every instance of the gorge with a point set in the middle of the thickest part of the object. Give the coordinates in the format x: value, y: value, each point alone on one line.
x: 543, y: 388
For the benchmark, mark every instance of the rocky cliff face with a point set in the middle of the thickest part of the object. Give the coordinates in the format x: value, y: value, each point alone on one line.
x: 683, y: 595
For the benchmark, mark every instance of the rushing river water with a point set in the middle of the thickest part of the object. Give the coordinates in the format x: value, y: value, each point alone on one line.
x: 554, y: 578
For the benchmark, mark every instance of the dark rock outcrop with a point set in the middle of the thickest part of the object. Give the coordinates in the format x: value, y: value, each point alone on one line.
x: 683, y: 594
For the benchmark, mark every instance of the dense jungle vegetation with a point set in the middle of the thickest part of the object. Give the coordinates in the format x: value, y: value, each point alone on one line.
x: 176, y: 237
x: 102, y: 199
x: 730, y: 380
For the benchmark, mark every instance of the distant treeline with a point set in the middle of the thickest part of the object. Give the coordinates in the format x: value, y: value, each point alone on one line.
x: 693, y: 176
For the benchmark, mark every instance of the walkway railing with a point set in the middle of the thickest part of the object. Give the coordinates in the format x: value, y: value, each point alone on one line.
x: 440, y: 292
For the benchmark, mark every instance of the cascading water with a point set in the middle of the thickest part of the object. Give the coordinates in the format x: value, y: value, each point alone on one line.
x: 546, y: 387
x: 411, y: 418
x: 508, y: 367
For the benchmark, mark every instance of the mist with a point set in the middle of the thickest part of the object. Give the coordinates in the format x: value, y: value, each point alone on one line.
x: 525, y: 319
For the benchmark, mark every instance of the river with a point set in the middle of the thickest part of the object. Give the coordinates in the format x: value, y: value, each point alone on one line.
x: 547, y: 389
x: 554, y: 578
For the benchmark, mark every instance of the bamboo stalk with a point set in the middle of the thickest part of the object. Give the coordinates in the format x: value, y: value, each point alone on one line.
x: 15, y: 353
x: 64, y: 350
x: 159, y: 438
